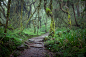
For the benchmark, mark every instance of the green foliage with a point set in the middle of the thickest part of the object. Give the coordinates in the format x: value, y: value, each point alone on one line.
x: 82, y: 0
x: 84, y: 9
x: 4, y: 52
x: 46, y: 38
x: 71, y: 43
x: 31, y: 31
x: 11, y: 41
x: 1, y: 0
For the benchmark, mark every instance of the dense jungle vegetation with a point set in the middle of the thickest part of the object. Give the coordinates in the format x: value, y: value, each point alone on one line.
x: 64, y: 20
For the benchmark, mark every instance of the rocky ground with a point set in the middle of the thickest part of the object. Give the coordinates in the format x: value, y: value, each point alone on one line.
x: 34, y: 47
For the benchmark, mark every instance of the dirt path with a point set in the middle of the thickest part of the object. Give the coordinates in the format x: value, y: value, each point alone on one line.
x: 36, y: 48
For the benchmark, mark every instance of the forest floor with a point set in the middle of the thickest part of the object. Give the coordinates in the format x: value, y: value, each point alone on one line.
x: 36, y: 48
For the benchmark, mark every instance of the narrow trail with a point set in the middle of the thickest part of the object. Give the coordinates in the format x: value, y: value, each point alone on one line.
x: 36, y: 48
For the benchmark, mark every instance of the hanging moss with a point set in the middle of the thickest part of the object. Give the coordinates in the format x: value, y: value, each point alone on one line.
x: 69, y: 16
x: 48, y: 11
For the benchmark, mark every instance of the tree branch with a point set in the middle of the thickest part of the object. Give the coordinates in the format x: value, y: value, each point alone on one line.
x: 32, y: 14
x: 62, y: 8
x: 8, y: 13
x: 32, y: 3
x: 4, y: 4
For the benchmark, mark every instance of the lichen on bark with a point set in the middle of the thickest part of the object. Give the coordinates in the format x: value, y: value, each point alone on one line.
x: 52, y: 28
x: 69, y: 18
x: 49, y: 13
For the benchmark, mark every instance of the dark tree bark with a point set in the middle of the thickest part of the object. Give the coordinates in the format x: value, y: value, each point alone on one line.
x: 46, y: 26
x: 0, y: 3
x: 8, y: 12
x: 85, y: 8
x: 85, y: 3
x: 78, y: 13
x: 75, y: 15
x: 40, y: 21
x: 61, y: 5
x: 0, y: 11
x: 33, y: 21
x: 68, y: 3
x: 29, y: 11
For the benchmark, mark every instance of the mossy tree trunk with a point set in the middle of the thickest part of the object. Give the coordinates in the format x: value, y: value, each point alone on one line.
x: 69, y: 18
x: 0, y: 11
x: 34, y: 26
x: 78, y: 10
x: 66, y: 11
x: 21, y: 25
x: 49, y: 13
x: 75, y: 15
x: 85, y: 7
x: 38, y: 16
x: 38, y: 21
x: 46, y: 25
x: 52, y: 27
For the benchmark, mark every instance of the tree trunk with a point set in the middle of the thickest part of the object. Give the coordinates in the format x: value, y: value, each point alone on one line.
x: 77, y: 6
x: 46, y: 26
x: 34, y: 26
x: 34, y: 29
x: 74, y: 15
x: 69, y: 18
x: 8, y: 13
x: 49, y: 13
x: 66, y: 11
x: 0, y: 11
x: 52, y: 27
x: 40, y: 22
x: 21, y: 25
x: 85, y: 4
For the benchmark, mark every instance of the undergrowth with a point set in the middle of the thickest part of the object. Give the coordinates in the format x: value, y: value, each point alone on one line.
x: 12, y: 39
x: 68, y: 43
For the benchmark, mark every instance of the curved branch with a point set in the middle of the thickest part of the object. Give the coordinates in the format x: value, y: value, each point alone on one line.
x: 32, y: 3
x: 62, y: 8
